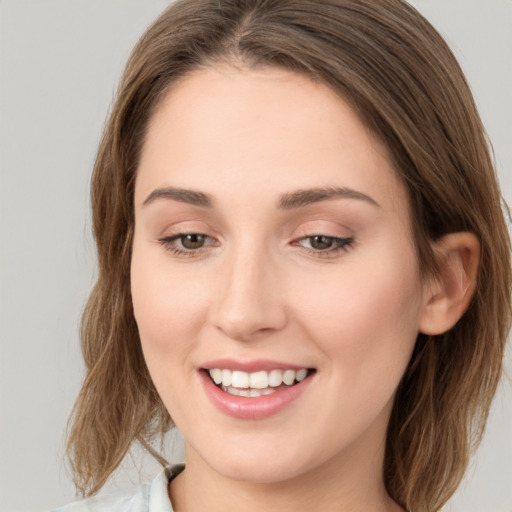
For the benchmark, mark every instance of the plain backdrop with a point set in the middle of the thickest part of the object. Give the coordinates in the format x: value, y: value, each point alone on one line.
x: 60, y: 62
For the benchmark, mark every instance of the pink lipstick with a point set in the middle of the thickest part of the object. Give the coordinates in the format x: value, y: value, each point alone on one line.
x: 253, y: 389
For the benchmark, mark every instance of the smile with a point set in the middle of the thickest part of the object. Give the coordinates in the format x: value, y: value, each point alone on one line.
x: 256, y: 389
x: 255, y: 384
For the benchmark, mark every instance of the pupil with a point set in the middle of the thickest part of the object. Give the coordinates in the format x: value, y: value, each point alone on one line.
x: 321, y: 242
x: 192, y: 241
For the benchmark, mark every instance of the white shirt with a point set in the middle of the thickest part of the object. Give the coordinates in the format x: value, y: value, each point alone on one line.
x: 149, y: 497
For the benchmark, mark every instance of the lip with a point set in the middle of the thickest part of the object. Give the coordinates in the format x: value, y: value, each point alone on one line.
x: 255, y: 408
x: 254, y: 365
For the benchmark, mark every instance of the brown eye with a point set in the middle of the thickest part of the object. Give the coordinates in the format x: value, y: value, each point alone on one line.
x: 323, y: 246
x: 188, y: 245
x: 192, y: 241
x: 320, y: 242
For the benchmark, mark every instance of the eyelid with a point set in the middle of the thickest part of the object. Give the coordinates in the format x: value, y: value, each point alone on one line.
x: 324, y: 228
x: 187, y: 226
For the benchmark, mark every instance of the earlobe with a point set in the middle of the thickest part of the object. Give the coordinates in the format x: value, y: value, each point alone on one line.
x: 449, y: 294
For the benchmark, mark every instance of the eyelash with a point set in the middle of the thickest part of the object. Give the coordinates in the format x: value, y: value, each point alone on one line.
x: 167, y: 242
x: 340, y: 244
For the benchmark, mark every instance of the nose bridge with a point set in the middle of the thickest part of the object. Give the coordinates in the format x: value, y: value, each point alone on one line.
x: 249, y: 300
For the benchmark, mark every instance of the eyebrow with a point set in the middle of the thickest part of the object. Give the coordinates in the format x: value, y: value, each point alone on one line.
x: 182, y: 195
x: 305, y: 197
x: 288, y: 201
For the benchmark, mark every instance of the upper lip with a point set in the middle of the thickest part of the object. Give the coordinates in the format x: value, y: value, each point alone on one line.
x: 252, y: 365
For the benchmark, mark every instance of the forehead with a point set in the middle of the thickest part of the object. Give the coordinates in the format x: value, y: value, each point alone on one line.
x: 247, y: 129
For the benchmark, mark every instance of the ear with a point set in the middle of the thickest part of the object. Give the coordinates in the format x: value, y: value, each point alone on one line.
x: 447, y: 295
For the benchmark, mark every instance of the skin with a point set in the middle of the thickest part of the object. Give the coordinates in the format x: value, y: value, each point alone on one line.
x: 258, y: 289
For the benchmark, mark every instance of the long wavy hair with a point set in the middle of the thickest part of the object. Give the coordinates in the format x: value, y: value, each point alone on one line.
x: 399, y: 75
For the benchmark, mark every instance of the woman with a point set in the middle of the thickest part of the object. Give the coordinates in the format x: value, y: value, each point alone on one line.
x: 298, y: 229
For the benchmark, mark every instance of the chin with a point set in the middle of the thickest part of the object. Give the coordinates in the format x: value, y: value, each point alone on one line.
x: 265, y: 470
x: 260, y: 460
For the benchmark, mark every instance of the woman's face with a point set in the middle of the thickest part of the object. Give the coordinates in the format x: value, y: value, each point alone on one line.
x: 272, y: 241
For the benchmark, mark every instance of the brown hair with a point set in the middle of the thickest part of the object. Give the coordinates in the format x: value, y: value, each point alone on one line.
x: 400, y: 76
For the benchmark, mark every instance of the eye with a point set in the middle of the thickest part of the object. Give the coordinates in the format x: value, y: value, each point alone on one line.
x: 192, y: 241
x: 325, y: 246
x: 320, y: 242
x: 186, y: 244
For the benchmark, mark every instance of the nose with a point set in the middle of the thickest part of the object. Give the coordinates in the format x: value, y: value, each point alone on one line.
x: 250, y: 300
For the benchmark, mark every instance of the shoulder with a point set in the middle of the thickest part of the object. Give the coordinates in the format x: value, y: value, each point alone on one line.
x: 149, y: 497
x: 134, y: 500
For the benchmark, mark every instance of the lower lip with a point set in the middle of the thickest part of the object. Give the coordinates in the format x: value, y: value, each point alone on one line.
x: 255, y: 408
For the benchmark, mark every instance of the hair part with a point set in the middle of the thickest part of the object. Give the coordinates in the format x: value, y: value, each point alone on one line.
x: 401, y: 78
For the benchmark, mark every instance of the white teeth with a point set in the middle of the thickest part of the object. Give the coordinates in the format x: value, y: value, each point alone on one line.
x: 248, y: 392
x: 238, y: 379
x: 216, y: 375
x: 246, y: 384
x: 289, y: 377
x: 258, y: 380
x: 226, y: 377
x: 275, y: 378
x: 301, y: 375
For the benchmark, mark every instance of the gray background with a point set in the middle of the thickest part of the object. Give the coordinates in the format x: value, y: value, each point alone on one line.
x: 60, y: 62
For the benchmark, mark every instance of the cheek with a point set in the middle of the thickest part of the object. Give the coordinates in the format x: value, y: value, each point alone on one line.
x: 167, y: 306
x: 365, y: 314
x: 365, y: 322
x: 167, y: 309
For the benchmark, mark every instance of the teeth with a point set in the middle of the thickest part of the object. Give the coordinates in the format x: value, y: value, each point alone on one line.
x: 248, y: 392
x: 238, y: 379
x: 243, y: 383
x: 258, y: 380
x: 216, y: 375
x: 289, y: 377
x: 226, y: 377
x: 301, y: 375
x: 275, y: 378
